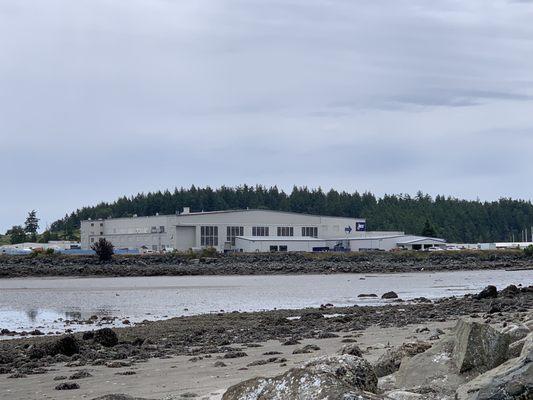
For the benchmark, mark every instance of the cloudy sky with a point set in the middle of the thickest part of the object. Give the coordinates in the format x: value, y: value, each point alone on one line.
x: 100, y: 98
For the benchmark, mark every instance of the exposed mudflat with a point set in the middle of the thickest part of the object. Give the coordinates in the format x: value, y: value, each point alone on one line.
x: 260, y: 264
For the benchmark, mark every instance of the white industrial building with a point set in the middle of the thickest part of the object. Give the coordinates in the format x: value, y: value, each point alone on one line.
x: 246, y: 231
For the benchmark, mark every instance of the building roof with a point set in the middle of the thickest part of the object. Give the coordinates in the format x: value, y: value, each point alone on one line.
x: 197, y: 213
x: 417, y: 239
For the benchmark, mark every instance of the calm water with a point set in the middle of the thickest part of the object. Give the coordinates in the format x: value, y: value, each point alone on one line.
x: 27, y: 304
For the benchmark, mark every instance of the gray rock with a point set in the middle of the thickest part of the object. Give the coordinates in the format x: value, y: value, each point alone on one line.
x: 472, y: 349
x: 511, y: 380
x: 67, y: 386
x: 390, y: 361
x: 479, y: 347
x: 490, y: 292
x: 106, y: 337
x: 516, y: 332
x: 118, y: 397
x: 515, y: 348
x: 351, y: 349
x: 389, y: 295
x: 308, y: 348
x: 328, y: 377
x: 404, y: 395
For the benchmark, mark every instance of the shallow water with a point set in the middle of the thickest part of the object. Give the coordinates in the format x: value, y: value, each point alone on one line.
x: 30, y: 303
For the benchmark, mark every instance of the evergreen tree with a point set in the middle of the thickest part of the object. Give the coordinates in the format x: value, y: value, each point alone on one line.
x: 31, y: 225
x: 428, y: 229
x: 457, y: 220
x: 17, y: 234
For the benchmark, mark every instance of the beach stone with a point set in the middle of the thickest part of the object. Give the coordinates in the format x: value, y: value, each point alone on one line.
x: 510, y: 291
x: 390, y: 361
x: 511, y: 380
x: 309, y: 348
x: 328, y: 377
x: 479, y: 347
x: 351, y: 349
x: 404, y: 395
x: 87, y: 335
x: 67, y: 346
x: 515, y: 348
x: 118, y: 397
x: 235, y: 354
x: 490, y: 292
x: 67, y: 386
x: 106, y: 337
x: 81, y: 374
x: 367, y: 295
x: 389, y: 295
x: 516, y: 331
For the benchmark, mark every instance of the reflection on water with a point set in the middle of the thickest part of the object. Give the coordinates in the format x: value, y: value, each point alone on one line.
x: 46, y: 304
x: 32, y: 314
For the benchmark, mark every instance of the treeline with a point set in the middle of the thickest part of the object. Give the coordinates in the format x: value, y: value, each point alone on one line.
x: 453, y: 219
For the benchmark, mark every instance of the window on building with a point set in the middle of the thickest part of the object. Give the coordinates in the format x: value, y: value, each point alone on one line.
x: 209, y: 235
x: 273, y: 249
x: 260, y: 231
x: 310, y: 231
x: 161, y: 229
x: 282, y: 248
x: 101, y: 224
x: 92, y: 240
x: 232, y: 232
x: 92, y: 223
x: 285, y: 231
x: 101, y: 233
x: 153, y: 229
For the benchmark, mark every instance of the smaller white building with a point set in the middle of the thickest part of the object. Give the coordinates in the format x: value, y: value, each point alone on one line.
x: 28, y: 247
x: 372, y: 242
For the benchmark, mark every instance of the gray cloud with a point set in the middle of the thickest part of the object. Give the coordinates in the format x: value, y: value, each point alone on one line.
x: 100, y: 98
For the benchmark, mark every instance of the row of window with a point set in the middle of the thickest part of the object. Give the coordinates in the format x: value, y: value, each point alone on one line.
x: 209, y: 234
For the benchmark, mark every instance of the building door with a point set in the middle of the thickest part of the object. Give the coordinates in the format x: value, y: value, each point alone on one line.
x: 185, y: 237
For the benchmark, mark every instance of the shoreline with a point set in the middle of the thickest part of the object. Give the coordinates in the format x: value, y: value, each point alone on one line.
x: 179, y: 264
x: 205, y: 354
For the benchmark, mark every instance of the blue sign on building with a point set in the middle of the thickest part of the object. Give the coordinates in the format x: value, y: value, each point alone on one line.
x: 360, y: 226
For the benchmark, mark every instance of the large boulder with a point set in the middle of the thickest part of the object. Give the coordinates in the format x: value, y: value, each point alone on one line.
x: 390, y: 361
x: 479, y: 347
x: 67, y: 345
x: 471, y: 349
x: 106, y: 337
x: 490, y: 292
x: 341, y: 377
x: 512, y: 380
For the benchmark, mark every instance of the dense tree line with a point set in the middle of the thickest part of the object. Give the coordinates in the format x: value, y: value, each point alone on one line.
x: 453, y: 219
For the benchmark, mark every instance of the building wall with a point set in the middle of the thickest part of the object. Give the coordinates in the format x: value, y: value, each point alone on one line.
x: 264, y: 246
x: 133, y: 232
x: 139, y: 231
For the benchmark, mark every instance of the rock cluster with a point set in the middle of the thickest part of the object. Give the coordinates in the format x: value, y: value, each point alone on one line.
x: 471, y: 363
x: 249, y: 264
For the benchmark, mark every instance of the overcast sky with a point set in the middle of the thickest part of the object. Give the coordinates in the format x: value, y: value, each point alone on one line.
x: 101, y: 98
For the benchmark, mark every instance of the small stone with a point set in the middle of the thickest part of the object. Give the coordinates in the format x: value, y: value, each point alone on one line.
x: 67, y: 386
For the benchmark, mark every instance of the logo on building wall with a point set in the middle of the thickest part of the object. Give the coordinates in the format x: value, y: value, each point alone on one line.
x: 360, y: 226
x: 348, y: 229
